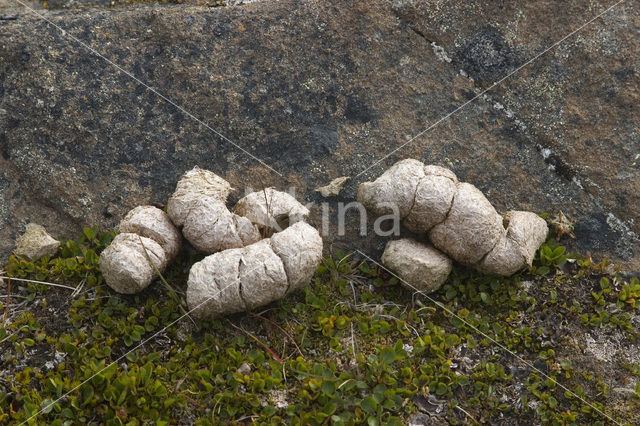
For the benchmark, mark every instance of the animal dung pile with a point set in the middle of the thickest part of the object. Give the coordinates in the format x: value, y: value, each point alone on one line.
x: 456, y: 216
x: 243, y: 270
x: 147, y: 242
x: 244, y: 278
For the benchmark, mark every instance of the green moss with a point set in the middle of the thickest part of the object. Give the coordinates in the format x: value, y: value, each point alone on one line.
x: 354, y: 347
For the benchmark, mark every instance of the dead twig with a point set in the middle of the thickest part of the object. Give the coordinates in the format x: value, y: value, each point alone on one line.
x: 281, y: 329
x: 267, y: 204
x: 260, y: 342
x: 467, y: 414
x: 41, y: 282
x: 164, y: 281
x: 6, y: 308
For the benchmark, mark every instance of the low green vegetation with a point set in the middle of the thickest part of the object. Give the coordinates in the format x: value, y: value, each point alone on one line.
x: 49, y: 4
x: 354, y: 348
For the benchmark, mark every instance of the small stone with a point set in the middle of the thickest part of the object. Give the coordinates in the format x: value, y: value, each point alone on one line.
x: 244, y: 369
x: 36, y: 242
x: 420, y: 265
x: 419, y: 419
x: 334, y: 187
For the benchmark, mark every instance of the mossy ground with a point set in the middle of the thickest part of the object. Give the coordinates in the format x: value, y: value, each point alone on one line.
x: 355, y: 347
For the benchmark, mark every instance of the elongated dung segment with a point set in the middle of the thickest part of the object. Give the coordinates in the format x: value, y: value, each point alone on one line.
x: 192, y: 186
x: 300, y: 248
x: 151, y: 222
x: 457, y: 217
x: 528, y: 230
x: 214, y: 285
x: 211, y: 227
x: 472, y: 227
x: 272, y: 209
x: 423, y: 267
x: 525, y: 233
x: 244, y: 278
x: 432, y: 201
x: 198, y: 205
x: 262, y: 275
x: 396, y: 187
x: 505, y: 259
x: 125, y: 266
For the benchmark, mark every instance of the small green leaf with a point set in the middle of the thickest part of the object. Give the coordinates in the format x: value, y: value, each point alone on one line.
x: 388, y: 355
x: 368, y: 405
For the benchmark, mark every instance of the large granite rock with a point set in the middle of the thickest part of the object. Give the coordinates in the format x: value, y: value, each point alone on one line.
x: 318, y: 90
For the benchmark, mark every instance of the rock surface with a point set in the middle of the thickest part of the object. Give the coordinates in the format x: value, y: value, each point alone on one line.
x: 317, y: 91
